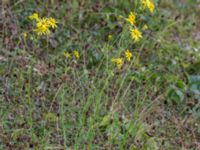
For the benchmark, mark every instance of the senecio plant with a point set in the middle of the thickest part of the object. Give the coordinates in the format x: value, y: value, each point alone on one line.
x: 135, y: 32
x: 43, y: 25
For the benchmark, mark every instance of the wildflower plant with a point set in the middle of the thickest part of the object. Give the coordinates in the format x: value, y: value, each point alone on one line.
x: 135, y: 32
x: 43, y: 25
x: 102, y: 83
x: 136, y: 26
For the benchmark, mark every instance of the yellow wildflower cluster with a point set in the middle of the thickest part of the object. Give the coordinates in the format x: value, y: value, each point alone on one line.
x: 43, y: 25
x: 120, y: 61
x: 69, y: 55
x: 136, y: 34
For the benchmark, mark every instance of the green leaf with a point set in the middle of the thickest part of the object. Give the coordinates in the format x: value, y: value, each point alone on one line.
x: 175, y: 95
x: 181, y: 85
x: 194, y: 84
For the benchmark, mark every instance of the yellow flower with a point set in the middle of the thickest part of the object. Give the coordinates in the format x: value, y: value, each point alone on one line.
x: 148, y: 4
x: 136, y: 34
x: 34, y: 16
x: 24, y: 35
x: 145, y: 27
x: 151, y: 7
x: 131, y: 18
x: 76, y: 54
x: 128, y: 55
x: 42, y: 27
x: 118, y: 61
x: 52, y: 22
x: 110, y: 37
x: 67, y: 54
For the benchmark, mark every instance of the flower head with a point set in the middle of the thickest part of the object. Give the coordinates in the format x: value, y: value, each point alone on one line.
x: 118, y: 61
x: 34, y: 16
x: 67, y: 54
x: 52, y: 22
x: 136, y: 34
x: 131, y: 18
x: 148, y: 4
x: 42, y: 27
x: 76, y: 54
x: 128, y: 55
